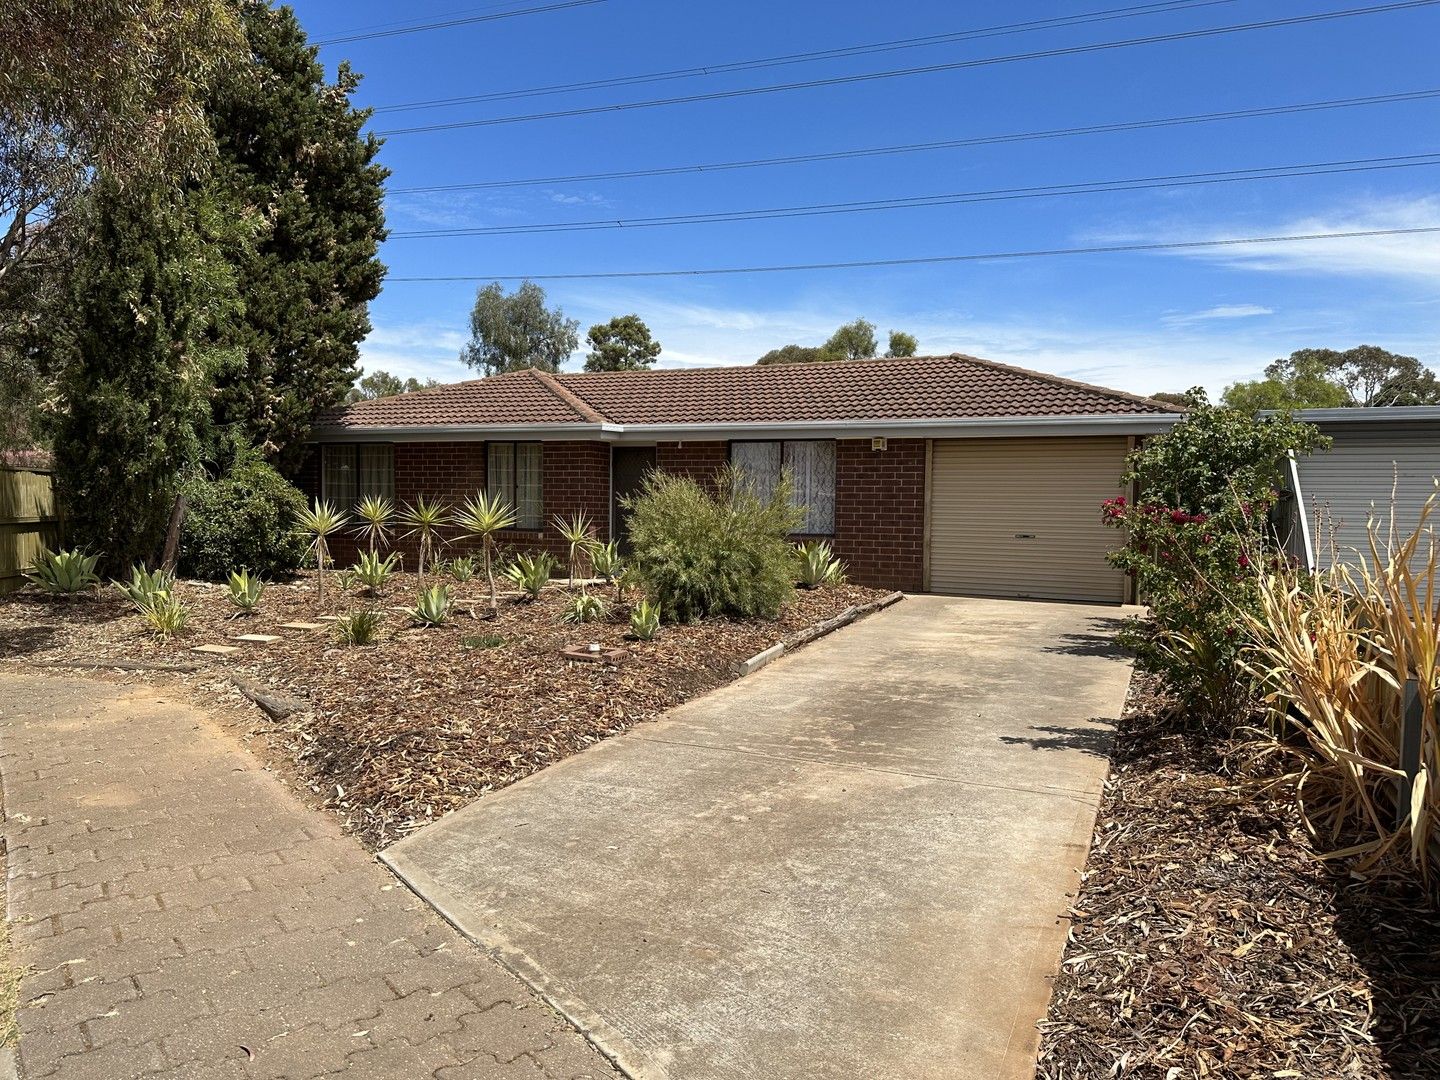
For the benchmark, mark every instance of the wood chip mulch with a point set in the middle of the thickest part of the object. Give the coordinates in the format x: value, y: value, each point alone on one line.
x: 404, y: 731
x: 1208, y: 940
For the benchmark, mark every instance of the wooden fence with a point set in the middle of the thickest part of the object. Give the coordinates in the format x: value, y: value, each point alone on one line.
x: 28, y: 521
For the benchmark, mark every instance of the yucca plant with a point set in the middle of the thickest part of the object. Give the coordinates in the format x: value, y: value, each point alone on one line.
x: 461, y: 568
x: 576, y: 531
x: 606, y: 560
x: 319, y: 522
x: 359, y: 627
x: 426, y: 519
x: 245, y: 589
x: 530, y: 573
x: 144, y: 584
x: 586, y: 607
x: 376, y: 516
x: 373, y: 572
x: 65, y: 572
x: 432, y: 607
x: 482, y: 517
x: 645, y: 620
x: 165, y: 613
x: 818, y: 565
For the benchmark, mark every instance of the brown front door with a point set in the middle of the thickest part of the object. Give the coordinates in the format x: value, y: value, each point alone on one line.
x: 628, y: 467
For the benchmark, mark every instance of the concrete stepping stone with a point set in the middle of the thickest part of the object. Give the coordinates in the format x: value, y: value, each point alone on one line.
x: 302, y: 626
x: 216, y: 650
x: 258, y: 639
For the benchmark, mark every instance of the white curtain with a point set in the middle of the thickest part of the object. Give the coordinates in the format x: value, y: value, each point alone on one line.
x: 377, y: 471
x: 500, y: 470
x: 811, y: 466
x: 527, y: 485
x: 338, y: 483
x: 760, y: 462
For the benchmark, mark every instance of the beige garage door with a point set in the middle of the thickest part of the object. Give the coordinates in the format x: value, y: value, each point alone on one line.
x: 1021, y: 517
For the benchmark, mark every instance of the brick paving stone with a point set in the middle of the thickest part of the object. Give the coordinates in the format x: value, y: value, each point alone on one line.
x: 179, y: 913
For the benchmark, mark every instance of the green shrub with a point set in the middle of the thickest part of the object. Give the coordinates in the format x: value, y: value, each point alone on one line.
x: 645, y: 620
x: 818, y: 565
x: 64, y: 572
x: 246, y: 517
x: 723, y: 552
x: 245, y: 589
x: 432, y: 607
x: 530, y: 573
x: 585, y: 607
x: 144, y: 584
x: 165, y: 614
x: 1192, y: 543
x: 359, y: 627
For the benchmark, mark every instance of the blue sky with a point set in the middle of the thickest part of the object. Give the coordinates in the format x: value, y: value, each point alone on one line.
x: 1142, y: 322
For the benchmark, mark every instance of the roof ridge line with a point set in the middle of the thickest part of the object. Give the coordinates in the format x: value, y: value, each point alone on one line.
x: 552, y: 383
x: 1045, y: 376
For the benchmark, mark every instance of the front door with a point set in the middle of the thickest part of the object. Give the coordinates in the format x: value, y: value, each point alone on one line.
x: 628, y: 468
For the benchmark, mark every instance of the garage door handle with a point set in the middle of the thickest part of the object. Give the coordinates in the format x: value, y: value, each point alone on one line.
x: 1024, y: 536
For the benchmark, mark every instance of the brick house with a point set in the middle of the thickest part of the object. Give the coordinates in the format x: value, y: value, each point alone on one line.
x: 949, y: 473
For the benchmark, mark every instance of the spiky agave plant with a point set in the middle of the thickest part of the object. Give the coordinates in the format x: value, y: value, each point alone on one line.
x: 576, y: 531
x: 65, y: 572
x: 320, y: 522
x: 432, y: 606
x: 144, y: 584
x: 461, y: 568
x: 530, y: 573
x: 376, y: 522
x: 373, y: 572
x: 586, y: 607
x: 245, y: 589
x: 818, y: 565
x: 165, y: 613
x: 482, y: 517
x: 426, y: 518
x: 606, y: 560
x: 645, y: 620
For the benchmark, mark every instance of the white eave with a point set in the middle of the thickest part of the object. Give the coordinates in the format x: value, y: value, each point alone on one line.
x: 940, y: 428
x: 1385, y: 414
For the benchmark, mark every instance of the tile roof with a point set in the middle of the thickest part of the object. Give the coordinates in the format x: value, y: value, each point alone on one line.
x: 915, y: 388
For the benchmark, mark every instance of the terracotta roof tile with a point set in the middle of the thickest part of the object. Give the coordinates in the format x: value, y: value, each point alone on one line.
x: 916, y: 388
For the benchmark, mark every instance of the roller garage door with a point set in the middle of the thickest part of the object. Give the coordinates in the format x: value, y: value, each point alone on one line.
x: 1021, y: 517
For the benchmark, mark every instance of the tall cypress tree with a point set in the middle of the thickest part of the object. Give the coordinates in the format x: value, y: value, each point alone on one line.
x: 134, y: 353
x: 290, y: 144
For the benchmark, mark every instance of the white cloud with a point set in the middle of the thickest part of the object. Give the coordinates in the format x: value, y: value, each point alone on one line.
x: 419, y: 350
x: 1222, y: 311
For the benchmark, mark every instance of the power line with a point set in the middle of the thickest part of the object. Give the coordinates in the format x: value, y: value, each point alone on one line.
x: 416, y: 28
x: 947, y: 144
x: 1105, y: 249
x: 1043, y: 191
x: 786, y: 59
x: 1074, y: 50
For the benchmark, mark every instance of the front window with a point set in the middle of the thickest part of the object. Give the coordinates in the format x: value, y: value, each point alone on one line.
x: 512, y: 471
x: 348, y: 473
x: 811, y: 465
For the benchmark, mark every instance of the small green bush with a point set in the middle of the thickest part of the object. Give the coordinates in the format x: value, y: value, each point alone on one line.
x: 63, y: 572
x: 245, y: 590
x: 166, y: 614
x: 645, y: 620
x: 246, y: 517
x: 359, y: 627
x: 586, y: 607
x: 483, y: 641
x: 704, y: 552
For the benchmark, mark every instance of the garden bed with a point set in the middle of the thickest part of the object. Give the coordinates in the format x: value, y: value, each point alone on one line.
x: 1208, y: 940
x: 401, y: 732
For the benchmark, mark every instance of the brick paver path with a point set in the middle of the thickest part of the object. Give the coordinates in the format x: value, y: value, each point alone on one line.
x: 181, y: 914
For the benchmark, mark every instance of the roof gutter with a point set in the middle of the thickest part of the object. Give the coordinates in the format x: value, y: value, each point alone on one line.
x: 937, y: 428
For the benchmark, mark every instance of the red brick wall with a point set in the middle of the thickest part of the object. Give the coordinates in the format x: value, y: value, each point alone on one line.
x: 574, y: 477
x: 880, y: 512
x: 697, y: 460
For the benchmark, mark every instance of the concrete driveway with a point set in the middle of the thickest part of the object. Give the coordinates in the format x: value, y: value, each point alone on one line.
x: 847, y: 865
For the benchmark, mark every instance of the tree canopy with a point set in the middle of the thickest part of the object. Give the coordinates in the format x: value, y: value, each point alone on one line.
x: 854, y: 341
x: 291, y: 143
x: 622, y: 344
x: 380, y: 384
x: 1328, y: 378
x: 510, y: 332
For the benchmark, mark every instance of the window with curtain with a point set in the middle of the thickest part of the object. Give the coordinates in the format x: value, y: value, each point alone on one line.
x: 512, y: 471
x: 811, y: 465
x: 351, y: 471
